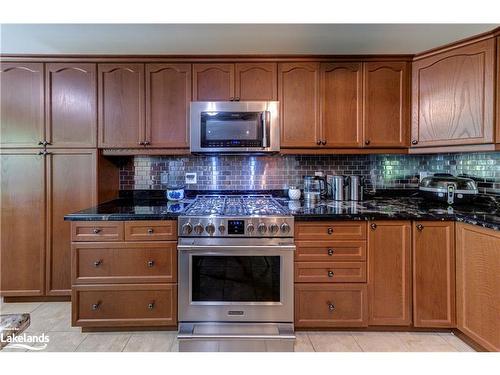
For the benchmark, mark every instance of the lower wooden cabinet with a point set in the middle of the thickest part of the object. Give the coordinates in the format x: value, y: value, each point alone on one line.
x: 389, y: 273
x: 330, y: 272
x: 434, y: 274
x: 134, y: 305
x: 331, y: 305
x: 478, y: 284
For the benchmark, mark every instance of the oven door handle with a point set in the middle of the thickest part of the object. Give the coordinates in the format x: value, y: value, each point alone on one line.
x: 229, y: 248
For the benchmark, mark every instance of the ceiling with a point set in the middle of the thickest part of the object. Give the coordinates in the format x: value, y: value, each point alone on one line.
x: 159, y: 39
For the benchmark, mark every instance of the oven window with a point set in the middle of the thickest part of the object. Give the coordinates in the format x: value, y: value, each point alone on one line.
x: 231, y: 129
x: 236, y: 278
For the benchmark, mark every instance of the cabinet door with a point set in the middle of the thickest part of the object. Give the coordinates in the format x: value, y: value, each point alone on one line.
x: 341, y: 104
x: 23, y: 223
x: 453, y: 96
x: 386, y: 104
x: 497, y: 125
x: 72, y: 186
x: 71, y: 105
x: 434, y: 274
x: 168, y: 95
x: 257, y: 81
x: 213, y: 82
x: 298, y: 85
x: 478, y: 284
x: 22, y: 99
x: 389, y: 273
x: 121, y: 105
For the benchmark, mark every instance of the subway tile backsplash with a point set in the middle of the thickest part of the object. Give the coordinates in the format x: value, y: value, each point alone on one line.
x: 280, y: 172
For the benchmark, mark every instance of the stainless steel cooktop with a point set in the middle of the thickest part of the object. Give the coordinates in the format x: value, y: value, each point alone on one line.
x: 235, y: 205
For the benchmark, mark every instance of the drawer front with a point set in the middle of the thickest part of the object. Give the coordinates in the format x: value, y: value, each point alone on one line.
x: 330, y: 272
x: 97, y: 231
x: 151, y: 230
x: 128, y: 305
x: 125, y: 262
x: 330, y: 230
x: 317, y: 251
x: 331, y: 305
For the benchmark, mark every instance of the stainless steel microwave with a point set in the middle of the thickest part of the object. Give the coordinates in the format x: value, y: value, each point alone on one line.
x: 234, y: 127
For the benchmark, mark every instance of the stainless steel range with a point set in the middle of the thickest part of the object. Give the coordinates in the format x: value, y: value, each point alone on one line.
x: 236, y: 274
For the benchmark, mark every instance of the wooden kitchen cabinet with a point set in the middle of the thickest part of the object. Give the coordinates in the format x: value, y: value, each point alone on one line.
x: 23, y: 229
x: 71, y: 105
x: 22, y: 104
x: 341, y: 104
x: 453, y: 96
x: 389, y: 273
x: 298, y: 86
x: 213, y: 82
x: 497, y: 125
x: 256, y: 81
x: 386, y: 104
x: 434, y: 274
x: 121, y: 105
x: 168, y: 96
x: 478, y: 284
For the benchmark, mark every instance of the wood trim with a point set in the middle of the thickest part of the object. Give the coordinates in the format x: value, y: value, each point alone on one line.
x: 144, y: 151
x: 114, y: 229
x: 457, y: 148
x: 15, y: 299
x: 317, y: 272
x: 497, y: 103
x: 167, y: 228
x: 342, y: 151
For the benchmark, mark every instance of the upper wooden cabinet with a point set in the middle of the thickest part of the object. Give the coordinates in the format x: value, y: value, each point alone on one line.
x: 341, y: 104
x: 453, y: 96
x: 497, y: 125
x: 298, y: 85
x: 434, y: 274
x: 168, y: 95
x: 71, y: 105
x: 22, y: 104
x: 389, y: 273
x: 121, y: 105
x: 386, y: 104
x: 256, y: 81
x: 213, y: 82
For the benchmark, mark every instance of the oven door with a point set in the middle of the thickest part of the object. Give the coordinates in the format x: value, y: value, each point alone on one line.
x: 235, y: 283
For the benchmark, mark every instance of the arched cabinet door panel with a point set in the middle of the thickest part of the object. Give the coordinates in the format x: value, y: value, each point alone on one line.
x: 256, y: 81
x: 213, y: 82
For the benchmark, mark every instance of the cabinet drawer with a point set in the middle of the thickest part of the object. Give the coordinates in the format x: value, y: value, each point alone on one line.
x: 151, y: 230
x: 124, y: 262
x: 330, y: 251
x: 126, y: 305
x: 97, y: 231
x: 330, y: 230
x: 331, y: 305
x: 330, y: 272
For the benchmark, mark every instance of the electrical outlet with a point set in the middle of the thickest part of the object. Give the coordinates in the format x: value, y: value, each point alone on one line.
x: 190, y: 178
x: 164, y: 178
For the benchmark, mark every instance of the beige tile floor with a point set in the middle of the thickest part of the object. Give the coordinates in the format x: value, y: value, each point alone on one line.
x: 53, y: 319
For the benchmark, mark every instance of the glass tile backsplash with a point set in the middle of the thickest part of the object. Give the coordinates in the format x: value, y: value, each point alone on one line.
x: 280, y: 172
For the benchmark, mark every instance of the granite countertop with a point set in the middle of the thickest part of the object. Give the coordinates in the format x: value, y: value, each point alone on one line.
x: 484, y: 211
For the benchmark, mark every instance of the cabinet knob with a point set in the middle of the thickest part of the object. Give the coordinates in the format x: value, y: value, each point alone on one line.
x: 330, y: 273
x: 367, y: 142
x: 151, y: 263
x: 420, y: 227
x: 150, y: 230
x: 373, y: 226
x: 96, y: 230
x: 40, y: 143
x: 96, y: 306
x: 330, y: 306
x: 330, y: 252
x: 414, y: 142
x: 318, y: 142
x: 237, y: 99
x: 323, y: 142
x: 330, y: 231
x: 97, y: 263
x: 147, y: 143
x: 231, y: 99
x: 142, y: 143
x: 151, y: 305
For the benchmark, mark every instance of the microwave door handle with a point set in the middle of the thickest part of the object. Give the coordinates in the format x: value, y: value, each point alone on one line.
x: 264, y: 129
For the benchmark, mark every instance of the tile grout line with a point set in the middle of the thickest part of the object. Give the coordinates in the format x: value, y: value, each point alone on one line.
x: 310, y: 342
x: 86, y: 336
x: 357, y: 343
x: 128, y: 340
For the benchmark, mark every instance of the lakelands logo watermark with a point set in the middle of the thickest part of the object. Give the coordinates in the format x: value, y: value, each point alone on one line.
x: 26, y: 341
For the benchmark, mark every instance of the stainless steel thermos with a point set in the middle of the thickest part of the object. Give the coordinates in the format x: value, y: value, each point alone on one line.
x: 345, y: 188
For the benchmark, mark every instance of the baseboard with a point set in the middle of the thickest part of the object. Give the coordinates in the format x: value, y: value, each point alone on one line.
x: 37, y: 299
x: 126, y: 329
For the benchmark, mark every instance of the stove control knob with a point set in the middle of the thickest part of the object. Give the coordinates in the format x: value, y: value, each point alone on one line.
x: 285, y: 228
x: 210, y: 228
x: 262, y: 229
x: 250, y: 228
x: 187, y: 228
x: 274, y: 228
x: 198, y: 228
x: 222, y: 228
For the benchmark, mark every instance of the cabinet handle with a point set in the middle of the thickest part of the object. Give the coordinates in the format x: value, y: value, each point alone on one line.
x: 40, y: 143
x: 330, y: 306
x: 96, y: 230
x: 323, y: 142
x: 96, y: 306
x: 330, y: 252
x: 318, y: 142
x: 97, y: 263
x: 142, y: 143
x: 231, y: 99
x: 420, y: 227
x: 150, y: 230
x: 237, y: 99
x: 367, y: 142
x: 147, y: 143
x: 373, y: 226
x: 330, y: 230
x: 151, y: 305
x: 151, y: 263
x: 330, y: 273
x: 414, y: 142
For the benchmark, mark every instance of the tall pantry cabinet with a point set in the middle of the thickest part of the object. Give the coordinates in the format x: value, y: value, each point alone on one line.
x: 48, y: 169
